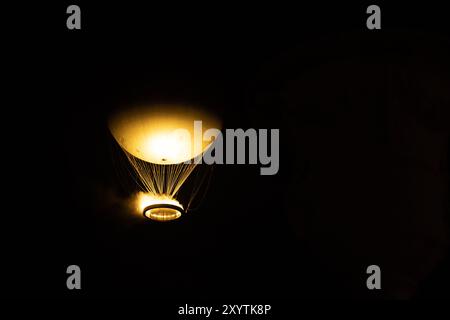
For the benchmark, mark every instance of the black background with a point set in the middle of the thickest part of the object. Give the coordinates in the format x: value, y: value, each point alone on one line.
x: 363, y: 118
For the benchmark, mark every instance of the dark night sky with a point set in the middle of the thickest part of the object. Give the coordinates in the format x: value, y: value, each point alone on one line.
x: 364, y: 123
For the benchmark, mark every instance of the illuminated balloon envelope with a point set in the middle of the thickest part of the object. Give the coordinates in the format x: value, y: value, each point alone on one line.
x: 161, y: 143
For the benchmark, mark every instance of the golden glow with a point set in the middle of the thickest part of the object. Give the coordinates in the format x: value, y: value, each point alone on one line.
x: 144, y: 200
x: 160, y: 214
x: 159, y: 141
x: 163, y: 214
x: 161, y: 134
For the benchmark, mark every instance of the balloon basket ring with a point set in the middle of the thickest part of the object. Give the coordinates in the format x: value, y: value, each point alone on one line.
x: 163, y: 212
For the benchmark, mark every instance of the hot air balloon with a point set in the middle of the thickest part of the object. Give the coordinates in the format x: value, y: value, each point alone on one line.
x: 163, y: 147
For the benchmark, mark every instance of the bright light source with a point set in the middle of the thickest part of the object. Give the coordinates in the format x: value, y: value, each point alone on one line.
x: 159, y: 142
x: 159, y: 207
x: 162, y: 134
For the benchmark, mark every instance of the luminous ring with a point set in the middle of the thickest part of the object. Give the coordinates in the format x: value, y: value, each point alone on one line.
x: 163, y: 212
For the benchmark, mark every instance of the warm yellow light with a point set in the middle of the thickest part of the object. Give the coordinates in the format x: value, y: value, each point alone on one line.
x: 144, y: 200
x: 159, y: 142
x: 159, y: 210
x: 161, y: 134
x: 162, y: 214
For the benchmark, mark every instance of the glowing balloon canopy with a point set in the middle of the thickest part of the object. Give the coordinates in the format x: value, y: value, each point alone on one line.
x: 161, y: 134
x: 159, y: 141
